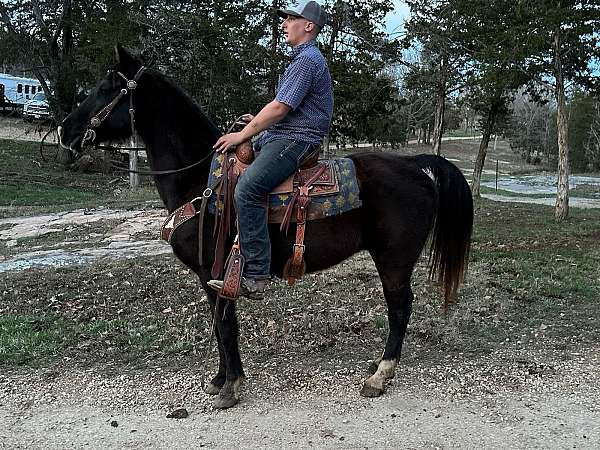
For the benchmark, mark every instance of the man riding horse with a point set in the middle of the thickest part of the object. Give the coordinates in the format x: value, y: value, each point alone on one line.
x: 294, y: 125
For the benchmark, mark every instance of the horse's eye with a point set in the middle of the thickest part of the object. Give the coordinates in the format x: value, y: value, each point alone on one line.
x: 105, y: 86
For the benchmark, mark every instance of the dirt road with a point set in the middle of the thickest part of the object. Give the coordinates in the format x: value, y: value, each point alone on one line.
x: 84, y: 408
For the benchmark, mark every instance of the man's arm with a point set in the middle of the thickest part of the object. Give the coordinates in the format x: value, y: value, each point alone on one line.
x: 272, y: 113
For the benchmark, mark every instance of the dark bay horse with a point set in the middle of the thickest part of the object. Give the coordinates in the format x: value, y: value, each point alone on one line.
x: 404, y: 200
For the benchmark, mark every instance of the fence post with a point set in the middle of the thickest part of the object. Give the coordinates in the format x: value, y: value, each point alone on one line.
x: 496, y: 176
x: 134, y: 178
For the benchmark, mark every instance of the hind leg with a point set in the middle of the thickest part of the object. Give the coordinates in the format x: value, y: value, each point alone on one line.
x: 399, y: 297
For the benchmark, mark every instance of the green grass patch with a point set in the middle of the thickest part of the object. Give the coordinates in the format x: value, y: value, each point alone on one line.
x: 536, y: 271
x: 463, y: 133
x: 42, y: 194
x: 29, y: 185
x: 31, y: 339
x: 25, y: 338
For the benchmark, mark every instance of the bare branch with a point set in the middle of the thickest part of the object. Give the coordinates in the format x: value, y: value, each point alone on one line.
x: 39, y: 19
x: 66, y: 9
x: 6, y: 19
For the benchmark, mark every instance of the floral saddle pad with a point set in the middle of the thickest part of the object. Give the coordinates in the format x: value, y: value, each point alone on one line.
x: 335, y: 191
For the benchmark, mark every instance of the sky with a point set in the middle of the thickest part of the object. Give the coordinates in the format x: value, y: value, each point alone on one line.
x: 396, y: 18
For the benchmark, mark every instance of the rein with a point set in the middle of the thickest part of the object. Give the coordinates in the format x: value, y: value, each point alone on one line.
x: 237, y: 121
x: 163, y: 172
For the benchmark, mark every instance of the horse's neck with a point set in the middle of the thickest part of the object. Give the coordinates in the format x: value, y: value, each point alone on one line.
x: 177, y: 134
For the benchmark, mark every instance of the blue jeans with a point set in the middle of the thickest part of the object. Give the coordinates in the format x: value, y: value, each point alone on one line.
x: 276, y: 161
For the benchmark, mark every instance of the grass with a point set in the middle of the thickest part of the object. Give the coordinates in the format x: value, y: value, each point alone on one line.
x: 41, y: 194
x: 537, y: 265
x: 32, y: 339
x: 462, y: 133
x: 526, y: 271
x: 29, y: 185
x: 25, y: 338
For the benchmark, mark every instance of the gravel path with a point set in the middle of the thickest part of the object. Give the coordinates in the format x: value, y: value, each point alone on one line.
x: 575, y: 202
x: 15, y: 128
x: 401, y: 419
x: 494, y: 402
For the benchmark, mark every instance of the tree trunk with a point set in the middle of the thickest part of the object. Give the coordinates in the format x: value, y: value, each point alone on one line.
x: 561, y: 210
x: 273, y: 71
x: 483, y: 146
x: 438, y: 125
x: 440, y: 107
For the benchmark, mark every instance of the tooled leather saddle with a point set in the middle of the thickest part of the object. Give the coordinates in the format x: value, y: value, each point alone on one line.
x: 319, y: 189
x: 313, y: 179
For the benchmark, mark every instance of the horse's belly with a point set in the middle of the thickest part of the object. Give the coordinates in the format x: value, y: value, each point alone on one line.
x: 328, y: 242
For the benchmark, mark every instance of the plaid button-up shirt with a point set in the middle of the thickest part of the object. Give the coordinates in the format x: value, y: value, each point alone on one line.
x: 306, y: 87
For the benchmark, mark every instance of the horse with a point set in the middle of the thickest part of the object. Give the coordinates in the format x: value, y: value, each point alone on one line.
x: 406, y: 200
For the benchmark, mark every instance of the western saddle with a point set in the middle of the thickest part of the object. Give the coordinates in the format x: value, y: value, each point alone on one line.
x: 314, y: 178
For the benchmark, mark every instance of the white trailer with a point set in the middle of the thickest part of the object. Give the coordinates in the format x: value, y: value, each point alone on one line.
x: 16, y: 91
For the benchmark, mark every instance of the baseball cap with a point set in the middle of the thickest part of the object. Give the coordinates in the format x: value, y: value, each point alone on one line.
x: 311, y: 11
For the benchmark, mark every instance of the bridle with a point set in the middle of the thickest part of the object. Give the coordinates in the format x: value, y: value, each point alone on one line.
x: 102, y: 115
x: 89, y: 135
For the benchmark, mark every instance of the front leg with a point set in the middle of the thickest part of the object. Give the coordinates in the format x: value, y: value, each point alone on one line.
x: 217, y: 382
x: 227, y: 328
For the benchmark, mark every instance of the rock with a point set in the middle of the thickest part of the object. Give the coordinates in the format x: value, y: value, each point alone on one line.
x: 180, y: 413
x: 114, y: 423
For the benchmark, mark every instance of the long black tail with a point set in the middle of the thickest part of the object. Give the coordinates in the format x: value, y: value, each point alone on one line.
x: 451, y: 238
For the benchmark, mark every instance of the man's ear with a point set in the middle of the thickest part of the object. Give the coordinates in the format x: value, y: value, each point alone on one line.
x: 128, y: 63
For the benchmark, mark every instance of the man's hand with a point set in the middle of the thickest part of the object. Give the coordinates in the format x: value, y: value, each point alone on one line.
x: 245, y: 119
x: 227, y: 141
x: 272, y: 113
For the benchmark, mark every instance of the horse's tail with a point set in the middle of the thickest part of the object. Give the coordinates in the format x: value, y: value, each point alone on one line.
x: 451, y: 237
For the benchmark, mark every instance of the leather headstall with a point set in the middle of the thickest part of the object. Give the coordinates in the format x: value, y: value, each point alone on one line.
x: 102, y: 115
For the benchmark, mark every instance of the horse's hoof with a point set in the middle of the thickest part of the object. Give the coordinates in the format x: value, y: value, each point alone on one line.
x: 229, y: 394
x: 224, y: 402
x: 370, y: 391
x: 212, y: 389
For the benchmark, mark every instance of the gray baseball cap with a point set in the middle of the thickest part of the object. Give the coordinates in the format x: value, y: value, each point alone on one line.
x: 311, y: 11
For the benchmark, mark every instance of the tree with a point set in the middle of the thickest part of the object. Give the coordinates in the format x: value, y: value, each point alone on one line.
x: 493, y: 75
x: 218, y: 51
x: 358, y: 52
x: 592, y: 144
x: 434, y: 27
x: 584, y: 133
x: 46, y: 39
x: 558, y: 40
x: 60, y: 40
x: 531, y: 130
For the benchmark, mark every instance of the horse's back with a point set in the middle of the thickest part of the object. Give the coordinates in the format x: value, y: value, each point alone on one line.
x: 385, y: 177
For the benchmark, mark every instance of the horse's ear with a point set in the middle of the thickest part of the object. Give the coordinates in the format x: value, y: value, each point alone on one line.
x: 126, y: 61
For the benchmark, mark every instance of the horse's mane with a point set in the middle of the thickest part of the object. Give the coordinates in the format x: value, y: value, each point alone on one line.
x: 184, y: 101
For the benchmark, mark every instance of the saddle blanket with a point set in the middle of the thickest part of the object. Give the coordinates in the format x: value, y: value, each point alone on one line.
x: 325, y: 202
